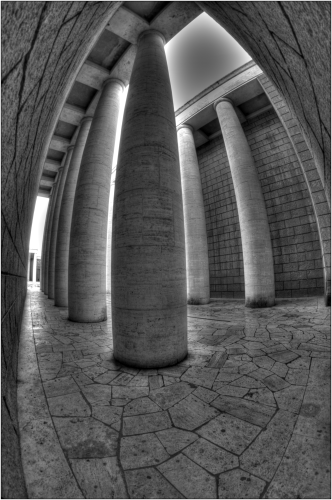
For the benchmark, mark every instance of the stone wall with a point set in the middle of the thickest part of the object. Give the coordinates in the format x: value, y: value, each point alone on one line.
x: 317, y: 193
x: 294, y: 235
x: 291, y: 42
x: 43, y: 47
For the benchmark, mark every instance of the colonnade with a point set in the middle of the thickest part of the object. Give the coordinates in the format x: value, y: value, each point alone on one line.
x: 158, y: 224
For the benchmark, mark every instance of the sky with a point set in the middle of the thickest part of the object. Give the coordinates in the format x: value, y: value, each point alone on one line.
x: 198, y: 56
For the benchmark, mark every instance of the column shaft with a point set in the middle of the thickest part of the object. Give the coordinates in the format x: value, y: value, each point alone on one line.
x: 34, y: 272
x: 54, y: 232
x: 198, y: 283
x: 149, y: 311
x: 109, y: 235
x: 254, y: 226
x: 65, y: 217
x: 49, y: 231
x: 42, y: 270
x: 88, y: 238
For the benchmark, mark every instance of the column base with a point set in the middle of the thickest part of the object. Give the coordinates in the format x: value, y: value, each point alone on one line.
x: 151, y: 363
x: 86, y: 319
x: 259, y: 302
x: 193, y: 301
x: 327, y: 299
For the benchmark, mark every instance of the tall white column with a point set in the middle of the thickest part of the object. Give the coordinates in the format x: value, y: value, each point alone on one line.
x: 149, y: 299
x: 254, y: 226
x: 88, y: 237
x: 34, y: 269
x: 198, y: 282
x: 109, y: 235
x: 46, y: 226
x: 49, y: 231
x: 65, y: 217
x: 54, y: 231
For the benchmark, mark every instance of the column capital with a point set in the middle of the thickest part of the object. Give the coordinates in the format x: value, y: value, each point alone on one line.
x: 150, y: 32
x: 226, y: 99
x: 114, y: 80
x: 185, y: 125
x: 70, y: 147
x: 60, y: 169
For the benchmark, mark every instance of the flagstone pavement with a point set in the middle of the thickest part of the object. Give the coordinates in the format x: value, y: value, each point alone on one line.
x: 245, y: 415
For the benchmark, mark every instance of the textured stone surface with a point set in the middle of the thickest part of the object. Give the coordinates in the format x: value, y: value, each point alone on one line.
x: 198, y: 284
x: 55, y: 222
x: 318, y: 196
x: 88, y: 237
x: 295, y: 239
x: 141, y: 451
x: 148, y: 247
x: 38, y: 69
x: 252, y: 441
x: 249, y: 411
x: 239, y: 484
x: 65, y: 217
x: 85, y: 437
x: 230, y: 433
x: 211, y: 457
x: 149, y: 483
x: 255, y: 231
x: 70, y: 405
x: 99, y: 477
x: 191, y: 412
x: 141, y: 424
x: 288, y: 41
x: 263, y: 457
x: 190, y: 479
x: 175, y: 439
x: 168, y: 396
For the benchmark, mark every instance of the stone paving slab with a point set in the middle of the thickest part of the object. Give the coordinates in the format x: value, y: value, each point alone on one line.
x: 149, y: 483
x: 141, y: 451
x: 175, y: 439
x: 191, y: 412
x: 189, y: 478
x: 211, y: 457
x: 245, y: 415
x: 263, y: 457
x: 239, y: 484
x: 170, y: 395
x: 250, y: 411
x: 141, y: 424
x: 301, y: 473
x: 86, y: 437
x: 230, y: 433
x: 100, y: 477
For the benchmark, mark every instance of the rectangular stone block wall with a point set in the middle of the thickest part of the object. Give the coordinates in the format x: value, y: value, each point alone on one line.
x: 222, y: 222
x: 295, y: 241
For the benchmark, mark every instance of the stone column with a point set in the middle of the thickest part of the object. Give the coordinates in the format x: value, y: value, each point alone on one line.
x: 88, y: 237
x: 34, y: 268
x: 65, y: 217
x: 198, y: 282
x: 49, y: 230
x: 47, y: 220
x: 109, y: 235
x: 254, y: 226
x: 149, y: 299
x: 54, y: 232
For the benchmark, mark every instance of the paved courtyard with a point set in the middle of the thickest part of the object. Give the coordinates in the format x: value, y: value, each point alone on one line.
x: 246, y: 415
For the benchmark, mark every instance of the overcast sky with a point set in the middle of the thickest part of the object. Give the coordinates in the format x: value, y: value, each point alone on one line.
x: 198, y: 56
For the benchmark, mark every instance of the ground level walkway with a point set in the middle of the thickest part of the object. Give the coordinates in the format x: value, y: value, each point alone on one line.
x: 246, y: 415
